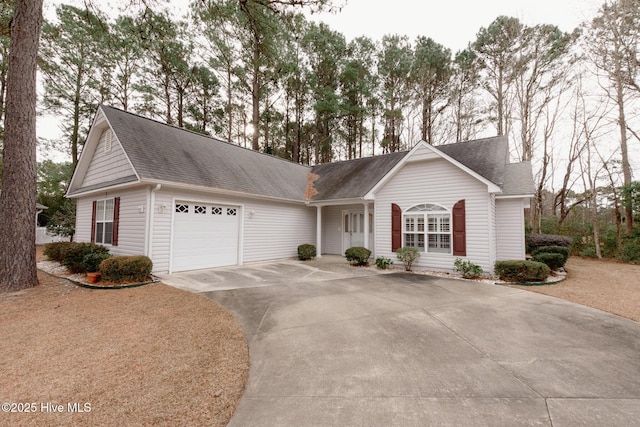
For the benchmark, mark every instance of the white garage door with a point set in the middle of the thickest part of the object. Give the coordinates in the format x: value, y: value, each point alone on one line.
x: 204, y: 236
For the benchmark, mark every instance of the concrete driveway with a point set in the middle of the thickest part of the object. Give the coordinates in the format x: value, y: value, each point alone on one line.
x: 333, y: 345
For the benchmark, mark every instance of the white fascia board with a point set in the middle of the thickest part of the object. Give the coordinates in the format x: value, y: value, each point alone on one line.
x: 123, y: 186
x: 213, y: 190
x: 514, y: 196
x: 340, y: 202
x: 99, y: 125
x: 89, y: 148
x: 491, y: 187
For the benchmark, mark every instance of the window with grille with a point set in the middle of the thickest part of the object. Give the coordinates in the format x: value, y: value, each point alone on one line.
x: 427, y: 227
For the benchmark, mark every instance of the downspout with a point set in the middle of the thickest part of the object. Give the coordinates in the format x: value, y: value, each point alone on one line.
x: 152, y: 212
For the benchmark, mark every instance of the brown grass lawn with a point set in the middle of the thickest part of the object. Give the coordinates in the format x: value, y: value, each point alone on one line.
x: 606, y: 285
x: 152, y: 355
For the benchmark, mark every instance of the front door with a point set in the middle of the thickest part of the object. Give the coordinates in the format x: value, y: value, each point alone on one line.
x: 356, y: 229
x: 353, y: 226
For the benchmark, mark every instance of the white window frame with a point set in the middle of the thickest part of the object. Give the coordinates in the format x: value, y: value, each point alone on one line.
x: 103, y: 220
x: 425, y: 223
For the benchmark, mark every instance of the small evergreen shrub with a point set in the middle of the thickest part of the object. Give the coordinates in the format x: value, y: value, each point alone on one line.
x: 55, y: 251
x: 468, y: 269
x: 521, y: 271
x: 358, y: 255
x: 588, y: 252
x: 91, y: 262
x: 553, y: 260
x: 306, y: 252
x: 73, y: 255
x: 408, y: 256
x: 563, y: 250
x: 383, y: 263
x: 126, y: 269
x: 535, y: 241
x: 630, y: 250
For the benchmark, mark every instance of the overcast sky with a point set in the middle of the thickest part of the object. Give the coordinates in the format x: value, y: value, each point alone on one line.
x: 452, y: 23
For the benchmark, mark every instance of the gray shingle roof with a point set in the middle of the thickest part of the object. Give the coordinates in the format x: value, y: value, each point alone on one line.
x: 166, y: 153
x: 487, y: 157
x: 352, y: 178
x: 518, y: 179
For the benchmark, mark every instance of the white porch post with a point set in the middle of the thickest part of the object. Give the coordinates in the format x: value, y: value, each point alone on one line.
x: 366, y: 225
x: 319, y: 232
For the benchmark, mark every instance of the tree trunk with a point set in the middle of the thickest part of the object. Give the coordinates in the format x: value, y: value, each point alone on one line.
x: 18, y: 198
x: 626, y: 168
x: 255, y: 99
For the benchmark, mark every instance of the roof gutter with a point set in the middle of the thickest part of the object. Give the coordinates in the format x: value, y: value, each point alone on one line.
x: 216, y: 190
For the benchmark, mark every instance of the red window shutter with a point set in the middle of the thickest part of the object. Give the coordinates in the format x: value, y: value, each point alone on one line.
x: 116, y: 220
x: 93, y: 222
x: 459, y: 229
x: 396, y: 227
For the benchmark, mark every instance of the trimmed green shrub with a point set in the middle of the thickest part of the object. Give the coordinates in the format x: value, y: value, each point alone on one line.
x: 55, y: 251
x: 408, y: 256
x: 121, y: 269
x: 522, y: 271
x: 564, y: 251
x: 72, y: 255
x: 553, y: 260
x: 383, y: 263
x: 535, y: 241
x: 306, y: 252
x: 358, y: 255
x: 468, y: 269
x: 91, y: 262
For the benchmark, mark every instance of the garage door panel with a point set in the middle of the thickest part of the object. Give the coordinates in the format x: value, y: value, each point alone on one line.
x: 205, y: 236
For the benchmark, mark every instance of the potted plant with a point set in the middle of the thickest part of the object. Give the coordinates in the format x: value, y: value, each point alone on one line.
x: 91, y: 264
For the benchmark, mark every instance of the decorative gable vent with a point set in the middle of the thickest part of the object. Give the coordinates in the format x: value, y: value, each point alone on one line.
x: 108, y: 140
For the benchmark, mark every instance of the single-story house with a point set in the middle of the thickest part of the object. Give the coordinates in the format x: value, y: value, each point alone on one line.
x: 190, y: 201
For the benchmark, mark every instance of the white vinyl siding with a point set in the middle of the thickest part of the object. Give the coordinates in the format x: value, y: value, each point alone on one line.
x: 333, y: 228
x: 84, y: 210
x: 131, y: 229
x: 437, y: 181
x: 268, y: 230
x: 510, y: 235
x: 108, y: 165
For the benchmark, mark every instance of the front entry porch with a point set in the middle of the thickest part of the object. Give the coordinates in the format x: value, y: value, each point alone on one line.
x: 340, y: 227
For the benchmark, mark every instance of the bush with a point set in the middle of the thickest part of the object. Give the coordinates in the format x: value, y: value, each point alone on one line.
x: 71, y: 254
x: 129, y: 269
x: 630, y: 250
x: 522, y: 271
x: 468, y: 269
x: 408, y: 256
x: 564, y: 251
x: 535, y: 241
x: 91, y: 262
x: 383, y: 263
x: 55, y: 251
x: 553, y: 260
x: 306, y: 252
x: 358, y: 255
x: 589, y: 252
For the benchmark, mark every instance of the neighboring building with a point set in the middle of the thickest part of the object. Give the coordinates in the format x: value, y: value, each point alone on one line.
x: 189, y: 201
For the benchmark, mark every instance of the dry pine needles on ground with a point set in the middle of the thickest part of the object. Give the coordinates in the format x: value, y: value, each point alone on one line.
x: 606, y: 285
x: 152, y: 355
